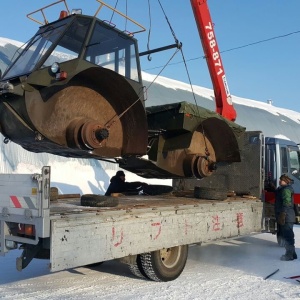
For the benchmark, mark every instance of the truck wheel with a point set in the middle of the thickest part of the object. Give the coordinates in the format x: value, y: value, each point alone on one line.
x: 210, y: 193
x: 137, y: 268
x: 98, y: 200
x: 165, y: 264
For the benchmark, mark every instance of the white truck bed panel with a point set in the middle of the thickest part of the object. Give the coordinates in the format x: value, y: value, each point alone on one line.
x: 19, y: 193
x: 82, y: 235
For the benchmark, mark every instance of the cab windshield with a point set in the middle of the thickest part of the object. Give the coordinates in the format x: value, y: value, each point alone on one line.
x: 27, y: 57
x: 64, y: 37
x: 63, y: 40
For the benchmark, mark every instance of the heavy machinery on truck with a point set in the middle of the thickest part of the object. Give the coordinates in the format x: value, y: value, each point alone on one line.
x: 75, y: 90
x: 151, y: 235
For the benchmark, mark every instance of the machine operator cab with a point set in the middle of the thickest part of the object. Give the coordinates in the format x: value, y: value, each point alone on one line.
x: 76, y: 36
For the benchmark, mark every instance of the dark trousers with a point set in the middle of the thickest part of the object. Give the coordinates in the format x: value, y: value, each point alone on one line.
x: 288, y: 233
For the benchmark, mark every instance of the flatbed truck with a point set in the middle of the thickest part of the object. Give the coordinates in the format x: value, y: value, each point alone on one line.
x: 151, y: 234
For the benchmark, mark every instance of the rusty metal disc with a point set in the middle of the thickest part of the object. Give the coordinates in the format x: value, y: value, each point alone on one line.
x: 197, y: 166
x: 73, y: 135
x: 88, y: 134
x: 201, y: 167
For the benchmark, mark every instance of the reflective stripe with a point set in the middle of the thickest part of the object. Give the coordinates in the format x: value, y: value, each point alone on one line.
x: 23, y: 202
x: 29, y: 202
x: 15, y: 202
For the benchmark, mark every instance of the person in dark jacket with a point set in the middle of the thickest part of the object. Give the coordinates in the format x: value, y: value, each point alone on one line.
x: 285, y: 215
x: 119, y: 185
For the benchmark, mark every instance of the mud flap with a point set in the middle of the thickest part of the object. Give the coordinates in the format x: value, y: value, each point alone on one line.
x: 28, y: 254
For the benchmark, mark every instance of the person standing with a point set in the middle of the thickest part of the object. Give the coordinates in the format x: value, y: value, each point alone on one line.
x: 285, y: 215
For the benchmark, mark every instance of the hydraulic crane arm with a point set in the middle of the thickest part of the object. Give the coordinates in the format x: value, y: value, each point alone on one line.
x: 224, y: 105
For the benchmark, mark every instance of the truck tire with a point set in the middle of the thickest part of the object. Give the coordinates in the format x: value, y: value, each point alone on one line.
x: 165, y: 264
x: 98, y: 200
x: 137, y: 268
x: 210, y: 193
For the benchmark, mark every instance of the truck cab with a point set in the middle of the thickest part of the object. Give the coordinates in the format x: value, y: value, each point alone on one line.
x: 281, y: 157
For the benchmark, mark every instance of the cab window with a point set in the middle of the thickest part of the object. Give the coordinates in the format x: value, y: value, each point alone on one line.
x: 294, y: 158
x: 112, y: 50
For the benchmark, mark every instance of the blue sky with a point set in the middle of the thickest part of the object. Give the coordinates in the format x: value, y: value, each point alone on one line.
x: 266, y: 70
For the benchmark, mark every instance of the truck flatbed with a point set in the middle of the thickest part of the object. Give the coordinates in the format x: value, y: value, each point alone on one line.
x: 148, y: 232
x: 141, y: 224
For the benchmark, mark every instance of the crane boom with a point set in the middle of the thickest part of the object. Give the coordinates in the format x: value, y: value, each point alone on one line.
x: 223, y: 100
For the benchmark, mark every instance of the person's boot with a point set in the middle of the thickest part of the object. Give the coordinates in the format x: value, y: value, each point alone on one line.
x: 289, y: 253
x: 295, y: 254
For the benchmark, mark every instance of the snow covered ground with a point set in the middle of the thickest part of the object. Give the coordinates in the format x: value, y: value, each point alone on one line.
x: 233, y: 269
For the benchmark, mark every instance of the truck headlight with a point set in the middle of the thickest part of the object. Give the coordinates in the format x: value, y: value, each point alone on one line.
x: 55, y: 68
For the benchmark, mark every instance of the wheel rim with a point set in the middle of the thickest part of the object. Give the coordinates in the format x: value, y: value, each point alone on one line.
x: 170, y: 256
